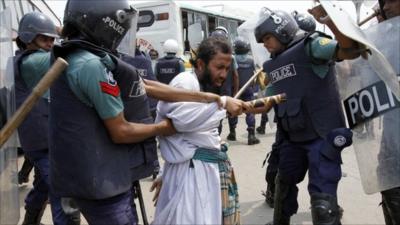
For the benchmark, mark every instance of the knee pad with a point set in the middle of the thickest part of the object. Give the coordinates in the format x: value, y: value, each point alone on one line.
x: 324, y: 209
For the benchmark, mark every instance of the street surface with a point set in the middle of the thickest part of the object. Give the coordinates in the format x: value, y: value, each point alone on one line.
x: 359, y: 208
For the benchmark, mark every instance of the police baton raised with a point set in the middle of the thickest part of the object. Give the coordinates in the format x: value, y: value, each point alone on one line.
x: 52, y: 74
x: 247, y: 84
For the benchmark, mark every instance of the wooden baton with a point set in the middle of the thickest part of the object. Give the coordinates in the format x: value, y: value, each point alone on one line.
x: 268, y: 102
x: 52, y: 74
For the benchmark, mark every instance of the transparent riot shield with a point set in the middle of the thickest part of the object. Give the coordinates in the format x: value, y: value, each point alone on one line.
x: 373, y: 112
x: 246, y: 30
x: 258, y: 51
x: 376, y: 60
x: 9, y: 200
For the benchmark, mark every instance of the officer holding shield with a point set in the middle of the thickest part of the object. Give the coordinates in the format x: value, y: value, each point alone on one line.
x: 311, y: 121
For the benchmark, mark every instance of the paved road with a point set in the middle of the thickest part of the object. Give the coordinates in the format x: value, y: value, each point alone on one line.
x: 359, y: 208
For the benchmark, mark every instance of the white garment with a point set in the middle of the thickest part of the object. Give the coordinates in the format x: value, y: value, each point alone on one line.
x: 189, y: 195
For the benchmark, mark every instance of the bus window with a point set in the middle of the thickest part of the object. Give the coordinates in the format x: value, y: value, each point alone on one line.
x: 185, y: 24
x: 146, y: 18
x: 211, y: 24
x: 156, y: 18
x: 202, y: 19
x: 222, y: 22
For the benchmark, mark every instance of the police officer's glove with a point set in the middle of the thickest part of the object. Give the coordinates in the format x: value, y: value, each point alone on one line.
x: 336, y: 141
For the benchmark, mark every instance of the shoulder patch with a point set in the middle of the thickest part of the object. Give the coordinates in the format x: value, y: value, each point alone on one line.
x: 110, y: 87
x: 324, y: 41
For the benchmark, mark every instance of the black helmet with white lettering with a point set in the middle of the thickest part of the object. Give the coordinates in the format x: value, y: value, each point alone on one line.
x: 103, y: 22
x: 241, y: 46
x: 33, y: 24
x: 305, y: 22
x: 278, y: 23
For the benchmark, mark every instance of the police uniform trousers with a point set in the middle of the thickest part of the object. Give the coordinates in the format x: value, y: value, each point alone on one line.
x: 117, y: 210
x: 294, y: 161
x: 36, y: 200
x: 250, y: 119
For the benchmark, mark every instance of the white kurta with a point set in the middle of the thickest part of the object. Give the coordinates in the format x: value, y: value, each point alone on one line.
x: 189, y: 195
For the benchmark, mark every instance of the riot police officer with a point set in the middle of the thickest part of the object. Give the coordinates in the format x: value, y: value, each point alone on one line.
x: 246, y: 70
x: 306, y: 23
x: 36, y: 36
x: 144, y: 68
x: 101, y: 132
x: 169, y: 66
x: 311, y: 120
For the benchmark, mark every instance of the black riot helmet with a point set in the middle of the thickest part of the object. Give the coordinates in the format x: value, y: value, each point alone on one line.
x: 102, y: 22
x: 33, y: 24
x: 241, y: 46
x: 305, y: 22
x: 278, y: 23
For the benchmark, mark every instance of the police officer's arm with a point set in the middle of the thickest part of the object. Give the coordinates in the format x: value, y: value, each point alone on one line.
x: 122, y: 131
x: 347, y: 48
x: 95, y: 87
x: 167, y: 93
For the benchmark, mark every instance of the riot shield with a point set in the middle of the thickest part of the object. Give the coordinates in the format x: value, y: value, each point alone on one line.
x: 246, y: 30
x: 9, y: 200
x: 258, y: 51
x: 376, y: 60
x: 373, y: 112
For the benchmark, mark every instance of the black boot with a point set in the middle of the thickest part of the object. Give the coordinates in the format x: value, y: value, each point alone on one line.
x: 261, y: 129
x: 252, y: 140
x: 23, y: 174
x: 269, y: 196
x: 232, y: 135
x: 325, y: 210
x: 281, y: 192
x: 74, y: 218
x: 391, y: 206
x: 33, y: 216
x: 71, y: 210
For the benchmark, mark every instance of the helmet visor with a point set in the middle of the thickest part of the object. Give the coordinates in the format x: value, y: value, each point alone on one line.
x: 128, y: 43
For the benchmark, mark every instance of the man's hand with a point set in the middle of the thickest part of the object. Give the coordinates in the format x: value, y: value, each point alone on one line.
x: 157, y: 183
x: 166, y: 127
x: 234, y: 106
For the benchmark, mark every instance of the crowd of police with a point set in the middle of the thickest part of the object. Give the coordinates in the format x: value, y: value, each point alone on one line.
x: 93, y: 140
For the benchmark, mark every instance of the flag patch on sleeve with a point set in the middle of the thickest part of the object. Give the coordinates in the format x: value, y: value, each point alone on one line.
x: 109, y: 88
